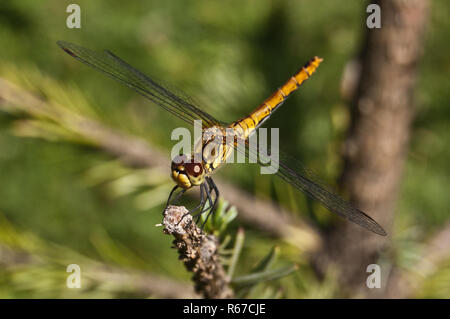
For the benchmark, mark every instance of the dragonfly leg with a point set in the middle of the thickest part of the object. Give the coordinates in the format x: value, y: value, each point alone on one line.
x: 212, y: 187
x: 202, y: 200
x: 206, y: 190
x: 208, y: 197
x: 199, y: 206
x: 215, y: 189
x: 177, y: 198
x: 171, y: 194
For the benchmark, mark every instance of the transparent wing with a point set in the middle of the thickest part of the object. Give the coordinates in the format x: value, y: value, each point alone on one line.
x: 304, y: 180
x: 111, y: 65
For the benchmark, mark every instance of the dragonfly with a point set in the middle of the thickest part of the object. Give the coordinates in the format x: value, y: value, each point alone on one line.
x: 196, y: 169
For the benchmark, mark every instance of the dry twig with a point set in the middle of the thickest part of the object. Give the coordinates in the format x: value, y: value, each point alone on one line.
x: 199, y: 253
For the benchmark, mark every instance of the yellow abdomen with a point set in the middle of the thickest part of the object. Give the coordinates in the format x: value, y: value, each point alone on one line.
x: 250, y: 123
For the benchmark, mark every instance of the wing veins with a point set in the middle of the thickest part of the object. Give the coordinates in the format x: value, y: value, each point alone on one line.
x: 119, y: 70
x: 304, y: 180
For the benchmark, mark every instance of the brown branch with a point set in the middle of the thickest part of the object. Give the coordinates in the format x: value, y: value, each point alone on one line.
x: 96, y: 272
x: 198, y: 252
x: 376, y: 147
x: 133, y: 151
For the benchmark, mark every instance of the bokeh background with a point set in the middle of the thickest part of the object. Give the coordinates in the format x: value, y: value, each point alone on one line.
x: 63, y: 200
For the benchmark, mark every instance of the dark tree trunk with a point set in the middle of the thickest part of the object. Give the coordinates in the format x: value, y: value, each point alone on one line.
x: 376, y: 146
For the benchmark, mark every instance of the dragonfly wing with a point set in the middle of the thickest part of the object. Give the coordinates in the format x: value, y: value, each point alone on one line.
x: 304, y: 180
x: 111, y: 65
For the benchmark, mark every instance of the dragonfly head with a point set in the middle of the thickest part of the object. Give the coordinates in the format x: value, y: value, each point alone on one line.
x: 186, y: 173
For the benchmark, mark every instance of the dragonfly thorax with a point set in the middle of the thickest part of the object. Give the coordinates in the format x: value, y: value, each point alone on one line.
x: 186, y: 172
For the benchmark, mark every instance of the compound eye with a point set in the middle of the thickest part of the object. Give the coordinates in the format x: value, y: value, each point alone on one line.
x: 194, y: 169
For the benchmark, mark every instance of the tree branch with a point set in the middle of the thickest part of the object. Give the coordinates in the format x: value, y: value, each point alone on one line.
x: 198, y: 252
x: 118, y: 279
x: 376, y: 147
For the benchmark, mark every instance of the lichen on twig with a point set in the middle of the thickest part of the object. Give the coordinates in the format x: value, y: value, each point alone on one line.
x: 198, y: 252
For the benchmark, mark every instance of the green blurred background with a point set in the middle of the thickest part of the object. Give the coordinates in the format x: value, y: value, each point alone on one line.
x: 229, y: 56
